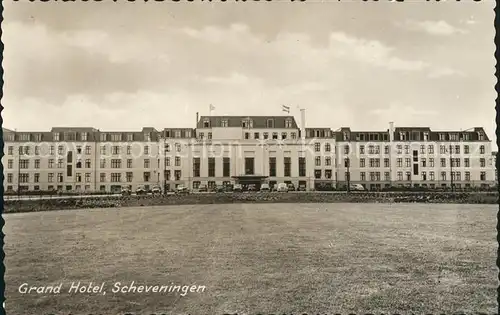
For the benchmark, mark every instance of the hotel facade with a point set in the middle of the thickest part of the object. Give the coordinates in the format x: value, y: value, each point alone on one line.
x: 245, y: 149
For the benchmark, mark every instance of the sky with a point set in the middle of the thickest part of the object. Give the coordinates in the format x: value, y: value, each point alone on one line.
x: 124, y: 66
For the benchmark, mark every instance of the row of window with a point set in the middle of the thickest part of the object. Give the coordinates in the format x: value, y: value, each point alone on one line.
x: 256, y: 135
x: 375, y: 176
x: 443, y: 149
x: 248, y: 123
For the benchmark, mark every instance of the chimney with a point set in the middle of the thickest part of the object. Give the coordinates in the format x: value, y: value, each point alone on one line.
x: 197, y: 119
x: 303, y: 123
x: 391, y: 131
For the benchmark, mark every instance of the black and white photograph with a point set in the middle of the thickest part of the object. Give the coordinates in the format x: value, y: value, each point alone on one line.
x: 249, y: 157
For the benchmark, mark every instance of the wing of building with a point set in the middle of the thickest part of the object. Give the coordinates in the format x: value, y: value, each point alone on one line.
x: 245, y: 150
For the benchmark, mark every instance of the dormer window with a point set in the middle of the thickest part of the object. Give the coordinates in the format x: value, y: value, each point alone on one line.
x: 224, y: 123
x: 288, y: 123
x: 57, y: 136
x: 84, y: 136
x: 481, y: 136
x: 442, y: 137
x: 270, y: 123
x: 177, y: 134
x: 426, y: 136
x: 346, y: 137
x: 130, y: 137
x: 244, y: 124
x: 102, y: 137
x: 206, y: 123
x: 147, y: 137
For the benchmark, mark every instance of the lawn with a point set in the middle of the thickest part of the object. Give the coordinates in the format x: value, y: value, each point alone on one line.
x: 251, y: 258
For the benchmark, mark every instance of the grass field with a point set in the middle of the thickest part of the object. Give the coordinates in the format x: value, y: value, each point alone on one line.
x: 268, y: 258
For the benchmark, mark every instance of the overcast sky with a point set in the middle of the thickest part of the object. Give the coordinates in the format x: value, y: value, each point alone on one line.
x: 123, y: 66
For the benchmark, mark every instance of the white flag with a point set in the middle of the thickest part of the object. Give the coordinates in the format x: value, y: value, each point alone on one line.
x: 285, y: 108
x: 212, y: 107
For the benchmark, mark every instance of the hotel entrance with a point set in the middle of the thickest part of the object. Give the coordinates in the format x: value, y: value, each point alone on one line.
x: 247, y: 180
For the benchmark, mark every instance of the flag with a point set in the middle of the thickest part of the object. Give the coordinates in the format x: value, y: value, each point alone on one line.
x: 212, y: 107
x: 285, y: 108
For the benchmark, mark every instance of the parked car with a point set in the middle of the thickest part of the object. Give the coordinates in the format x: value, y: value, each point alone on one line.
x: 282, y: 187
x: 220, y: 188
x: 141, y: 190
x: 252, y: 187
x: 291, y: 187
x: 126, y: 191
x: 265, y: 188
x: 237, y: 188
x: 181, y: 189
x: 357, y: 187
x: 203, y: 188
x: 156, y: 190
x: 302, y: 188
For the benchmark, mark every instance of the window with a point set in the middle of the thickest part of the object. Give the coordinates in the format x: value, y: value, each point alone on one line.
x: 249, y: 166
x: 224, y: 123
x: 386, y: 162
x: 387, y: 176
x: 79, y: 163
x: 275, y: 136
x: 147, y: 137
x: 400, y: 176
x: 430, y: 149
x: 87, y: 177
x: 209, y: 136
x: 482, y: 162
x: 317, y: 161
x: 362, y: 176
x: 362, y: 162
x: 116, y: 177
x: 167, y: 161
x: 347, y: 163
x: 24, y: 164
x: 37, y: 150
x: 168, y: 175
x: 399, y: 162
x: 60, y: 177
x: 399, y: 148
x: 78, y: 177
x: 288, y: 166
x: 458, y: 176
x: 424, y: 175
x: 293, y: 135
x: 328, y: 161
x: 408, y: 176
x: 116, y: 163
x: 266, y: 135
x: 177, y: 175
x: 57, y: 136
x: 317, y: 147
x: 302, y: 166
x: 211, y: 167
x: 424, y: 162
x: 247, y: 135
x: 59, y: 163
x: 272, y: 167
x: 60, y: 150
x: 431, y: 175
x: 115, y: 150
x: 443, y: 162
x: 78, y: 149
x: 371, y: 149
x: 10, y: 178
x: 196, y: 166
x: 481, y: 149
x: 87, y: 163
x: 483, y: 176
x: 146, y: 163
x: 328, y: 174
x: 467, y: 176
x: 407, y: 149
x: 283, y: 135
x: 177, y: 161
x: 431, y: 162
x: 361, y: 149
x: 88, y: 150
x: 10, y: 164
x: 256, y: 135
x: 386, y: 149
x: 146, y: 176
x: 102, y: 177
x: 317, y: 174
x: 69, y: 170
x: 24, y: 178
x: 270, y: 123
x: 201, y: 135
x: 407, y: 162
x: 466, y: 149
x: 226, y: 167
x: 442, y: 149
x: 443, y: 175
x: 146, y: 150
x: 103, y: 150
x: 288, y: 123
x: 346, y: 149
x: 466, y: 162
x: 102, y: 163
x: 177, y: 134
x: 129, y: 177
x: 177, y: 147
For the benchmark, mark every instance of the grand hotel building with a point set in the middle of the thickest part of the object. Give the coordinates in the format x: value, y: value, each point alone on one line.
x: 245, y: 149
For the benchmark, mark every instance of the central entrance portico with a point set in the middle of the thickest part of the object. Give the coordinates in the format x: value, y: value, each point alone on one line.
x: 246, y: 180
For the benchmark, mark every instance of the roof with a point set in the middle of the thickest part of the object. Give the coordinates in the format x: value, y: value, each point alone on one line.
x: 259, y: 122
